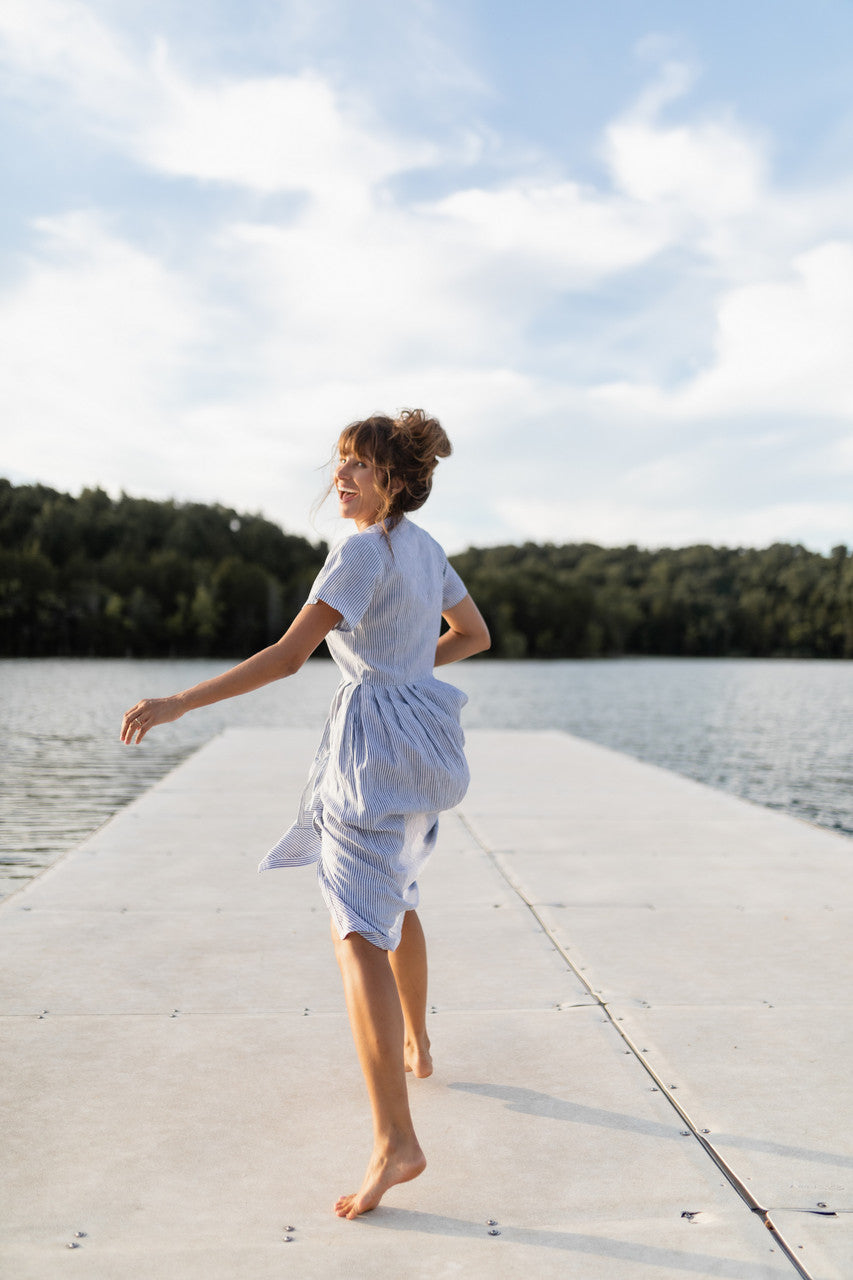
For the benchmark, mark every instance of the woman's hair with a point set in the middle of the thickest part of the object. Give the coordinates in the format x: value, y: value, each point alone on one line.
x: 405, y: 451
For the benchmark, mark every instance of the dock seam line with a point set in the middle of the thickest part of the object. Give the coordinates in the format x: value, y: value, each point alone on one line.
x: 728, y: 1173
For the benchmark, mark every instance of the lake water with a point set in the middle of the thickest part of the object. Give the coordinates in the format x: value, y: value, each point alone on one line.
x: 776, y: 732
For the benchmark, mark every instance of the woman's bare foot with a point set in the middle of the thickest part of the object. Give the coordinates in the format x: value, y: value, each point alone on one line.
x: 418, y: 1058
x: 385, y: 1170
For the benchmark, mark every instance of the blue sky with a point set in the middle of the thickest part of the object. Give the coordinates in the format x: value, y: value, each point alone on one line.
x: 610, y: 246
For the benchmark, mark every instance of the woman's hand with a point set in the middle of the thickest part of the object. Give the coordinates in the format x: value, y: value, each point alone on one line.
x: 468, y: 633
x: 283, y: 658
x: 150, y: 711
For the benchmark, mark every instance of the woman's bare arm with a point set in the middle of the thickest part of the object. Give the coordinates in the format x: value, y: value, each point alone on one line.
x: 468, y: 633
x: 283, y: 658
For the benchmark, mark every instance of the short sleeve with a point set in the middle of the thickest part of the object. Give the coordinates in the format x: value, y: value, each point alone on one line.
x: 453, y: 588
x: 348, y: 579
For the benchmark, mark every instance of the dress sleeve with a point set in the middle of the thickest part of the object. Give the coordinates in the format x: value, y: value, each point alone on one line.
x: 453, y: 588
x: 348, y: 579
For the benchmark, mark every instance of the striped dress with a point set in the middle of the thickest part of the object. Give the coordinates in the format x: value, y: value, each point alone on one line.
x: 391, y: 757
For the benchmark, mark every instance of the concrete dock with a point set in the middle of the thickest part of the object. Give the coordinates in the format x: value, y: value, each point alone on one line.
x: 641, y: 991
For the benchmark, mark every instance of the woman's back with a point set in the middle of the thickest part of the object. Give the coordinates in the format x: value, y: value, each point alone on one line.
x: 391, y: 591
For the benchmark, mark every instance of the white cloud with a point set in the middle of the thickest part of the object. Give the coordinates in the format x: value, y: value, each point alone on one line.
x: 96, y: 340
x: 264, y: 133
x: 62, y: 43
x: 785, y: 346
x: 563, y: 234
x: 108, y: 353
x: 665, y: 479
x: 282, y: 133
x: 221, y: 374
x: 782, y: 346
x: 610, y: 523
x: 618, y: 523
x: 815, y: 524
x: 839, y: 457
x: 704, y: 171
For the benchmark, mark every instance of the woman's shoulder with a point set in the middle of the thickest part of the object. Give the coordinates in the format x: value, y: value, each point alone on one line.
x: 356, y: 558
x: 362, y: 546
x: 419, y: 537
x: 374, y: 549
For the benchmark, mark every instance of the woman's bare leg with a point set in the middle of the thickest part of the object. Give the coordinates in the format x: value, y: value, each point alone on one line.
x: 376, y: 1018
x: 409, y: 966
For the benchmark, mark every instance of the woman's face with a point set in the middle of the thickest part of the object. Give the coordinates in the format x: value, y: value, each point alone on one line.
x: 359, y: 498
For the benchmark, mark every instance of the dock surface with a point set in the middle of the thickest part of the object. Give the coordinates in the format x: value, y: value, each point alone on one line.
x: 640, y: 993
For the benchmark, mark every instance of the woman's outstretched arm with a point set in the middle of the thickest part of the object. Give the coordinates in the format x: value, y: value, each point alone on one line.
x: 468, y: 633
x: 283, y: 658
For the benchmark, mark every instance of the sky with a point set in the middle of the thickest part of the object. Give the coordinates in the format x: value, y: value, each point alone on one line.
x: 609, y: 245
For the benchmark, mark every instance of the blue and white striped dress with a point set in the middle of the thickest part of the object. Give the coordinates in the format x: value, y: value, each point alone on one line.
x: 392, y: 755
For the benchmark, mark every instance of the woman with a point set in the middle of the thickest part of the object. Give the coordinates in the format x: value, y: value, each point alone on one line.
x: 390, y: 760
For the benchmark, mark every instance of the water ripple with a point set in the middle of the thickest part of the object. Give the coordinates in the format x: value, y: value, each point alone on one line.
x: 779, y: 733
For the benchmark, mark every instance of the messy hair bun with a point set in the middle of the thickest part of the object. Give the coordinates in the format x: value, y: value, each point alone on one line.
x: 405, y: 451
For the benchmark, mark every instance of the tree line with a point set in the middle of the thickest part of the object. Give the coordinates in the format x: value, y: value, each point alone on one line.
x: 589, y: 601
x: 94, y: 576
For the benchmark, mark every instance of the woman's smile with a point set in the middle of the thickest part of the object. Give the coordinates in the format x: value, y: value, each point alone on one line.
x: 358, y: 496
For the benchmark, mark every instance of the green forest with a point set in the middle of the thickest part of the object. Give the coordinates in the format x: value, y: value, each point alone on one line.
x: 91, y: 576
